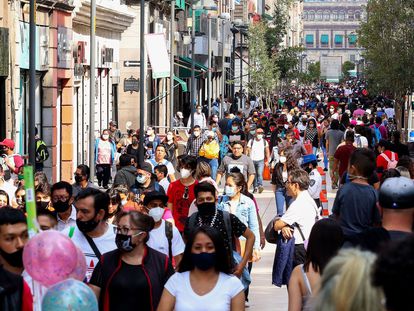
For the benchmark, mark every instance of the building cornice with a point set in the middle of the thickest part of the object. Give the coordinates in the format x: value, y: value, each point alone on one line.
x: 106, y: 18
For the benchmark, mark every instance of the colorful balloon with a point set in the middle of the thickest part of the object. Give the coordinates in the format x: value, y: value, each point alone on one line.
x: 50, y: 257
x: 71, y: 295
x: 80, y: 269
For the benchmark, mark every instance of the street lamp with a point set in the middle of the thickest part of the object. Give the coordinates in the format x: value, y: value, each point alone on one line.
x: 234, y: 31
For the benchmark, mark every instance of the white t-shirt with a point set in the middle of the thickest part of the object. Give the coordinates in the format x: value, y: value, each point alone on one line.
x: 218, y: 299
x: 164, y: 183
x: 165, y: 162
x: 105, y: 243
x: 257, y: 149
x: 315, y: 185
x: 158, y: 240
x: 303, y: 212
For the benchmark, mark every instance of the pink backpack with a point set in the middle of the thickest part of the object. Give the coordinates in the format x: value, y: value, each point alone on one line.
x: 391, y: 163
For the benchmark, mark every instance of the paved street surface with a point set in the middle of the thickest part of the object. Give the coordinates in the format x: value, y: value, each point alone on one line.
x: 263, y: 295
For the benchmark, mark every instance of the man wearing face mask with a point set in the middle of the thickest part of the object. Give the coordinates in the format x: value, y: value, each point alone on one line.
x: 82, y: 181
x: 62, y: 203
x: 133, y: 148
x: 227, y: 224
x: 236, y: 134
x: 199, y: 118
x: 15, y: 294
x: 92, y: 234
x: 310, y: 165
x: 258, y: 150
x: 194, y: 142
x: 165, y: 237
x: 145, y: 182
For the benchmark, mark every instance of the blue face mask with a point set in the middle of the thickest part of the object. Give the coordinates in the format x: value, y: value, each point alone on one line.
x: 230, y: 191
x: 234, y: 128
x: 141, y: 179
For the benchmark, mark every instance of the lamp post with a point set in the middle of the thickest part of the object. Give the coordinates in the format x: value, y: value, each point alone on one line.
x: 234, y: 31
x: 209, y: 90
x: 141, y: 84
x: 92, y: 52
x: 223, y: 70
x: 193, y: 88
x: 172, y: 26
x: 32, y: 85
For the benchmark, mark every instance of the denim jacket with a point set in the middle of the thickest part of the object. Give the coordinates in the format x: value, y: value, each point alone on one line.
x: 246, y: 212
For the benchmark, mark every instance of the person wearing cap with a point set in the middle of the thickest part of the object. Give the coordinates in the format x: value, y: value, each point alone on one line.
x: 199, y: 118
x: 310, y: 165
x: 209, y: 152
x: 10, y: 161
x: 145, y: 182
x: 114, y: 132
x: 165, y: 237
x: 258, y: 150
x: 396, y: 202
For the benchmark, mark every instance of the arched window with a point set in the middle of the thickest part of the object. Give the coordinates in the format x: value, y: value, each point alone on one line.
x: 357, y: 15
x: 350, y: 15
x: 326, y: 15
x: 319, y: 15
x: 335, y: 15
x: 341, y: 15
x: 311, y: 15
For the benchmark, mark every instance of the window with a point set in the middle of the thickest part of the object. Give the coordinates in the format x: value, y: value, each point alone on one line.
x: 324, y: 39
x: 352, y: 58
x: 326, y: 15
x: 305, y: 16
x: 311, y: 15
x: 309, y: 39
x: 342, y: 15
x: 339, y: 40
x: 335, y: 15
x: 319, y: 16
x: 352, y: 40
x: 350, y: 15
x: 358, y: 15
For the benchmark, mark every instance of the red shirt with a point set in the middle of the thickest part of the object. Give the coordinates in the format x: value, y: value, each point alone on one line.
x: 180, y: 205
x: 382, y: 164
x: 343, y: 154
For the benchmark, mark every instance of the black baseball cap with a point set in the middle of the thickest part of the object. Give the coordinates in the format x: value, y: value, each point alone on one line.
x: 397, y: 193
x: 155, y: 195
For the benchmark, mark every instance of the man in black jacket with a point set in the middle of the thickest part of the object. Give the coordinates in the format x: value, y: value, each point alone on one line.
x: 127, y: 174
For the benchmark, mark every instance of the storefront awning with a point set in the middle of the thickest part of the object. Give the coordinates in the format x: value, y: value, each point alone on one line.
x: 182, y: 83
x: 184, y: 63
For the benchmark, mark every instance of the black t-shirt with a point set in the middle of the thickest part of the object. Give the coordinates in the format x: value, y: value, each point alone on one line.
x: 132, y: 151
x: 237, y: 227
x: 237, y: 136
x: 128, y: 289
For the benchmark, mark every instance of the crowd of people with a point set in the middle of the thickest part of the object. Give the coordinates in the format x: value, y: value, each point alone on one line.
x: 183, y: 229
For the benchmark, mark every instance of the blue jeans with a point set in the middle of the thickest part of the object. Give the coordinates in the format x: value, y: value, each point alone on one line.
x: 315, y: 151
x: 282, y: 198
x: 213, y: 164
x: 325, y: 157
x: 258, y: 178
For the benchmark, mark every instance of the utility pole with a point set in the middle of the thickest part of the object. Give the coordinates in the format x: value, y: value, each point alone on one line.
x: 209, y: 90
x: 241, y: 69
x: 92, y: 78
x: 223, y: 72
x: 141, y: 84
x: 193, y: 88
x: 172, y: 26
x: 233, y: 61
x: 32, y: 84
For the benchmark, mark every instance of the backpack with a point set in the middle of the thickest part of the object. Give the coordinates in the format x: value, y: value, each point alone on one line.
x: 390, y: 163
x: 42, y: 154
x: 378, y: 135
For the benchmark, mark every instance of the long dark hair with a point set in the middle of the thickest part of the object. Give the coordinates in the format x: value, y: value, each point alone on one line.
x: 222, y: 256
x: 325, y: 240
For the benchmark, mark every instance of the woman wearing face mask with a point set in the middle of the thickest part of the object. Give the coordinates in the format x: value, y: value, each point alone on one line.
x: 20, y: 199
x: 42, y: 193
x: 312, y: 135
x: 209, y: 153
x: 104, y: 157
x: 132, y: 149
x: 280, y: 174
x: 152, y: 140
x: 115, y: 205
x: 204, y: 281
x: 134, y: 274
x: 171, y: 147
x: 4, y: 199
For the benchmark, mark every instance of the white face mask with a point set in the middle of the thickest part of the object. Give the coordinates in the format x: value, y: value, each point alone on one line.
x: 286, y: 126
x: 124, y: 202
x: 169, y: 137
x: 105, y: 136
x: 196, y: 134
x: 259, y: 136
x: 282, y: 159
x: 185, y: 173
x: 156, y: 213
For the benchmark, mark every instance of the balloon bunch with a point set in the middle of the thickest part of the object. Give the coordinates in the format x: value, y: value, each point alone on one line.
x: 53, y: 260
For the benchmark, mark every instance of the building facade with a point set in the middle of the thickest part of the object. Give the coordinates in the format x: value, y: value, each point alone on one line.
x: 330, y: 29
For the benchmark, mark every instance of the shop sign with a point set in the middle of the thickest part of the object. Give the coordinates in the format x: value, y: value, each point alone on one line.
x: 42, y: 47
x: 79, y: 58
x: 4, y: 52
x: 64, y: 52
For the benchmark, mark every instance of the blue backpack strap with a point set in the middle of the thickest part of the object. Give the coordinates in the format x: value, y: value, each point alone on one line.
x: 157, y: 186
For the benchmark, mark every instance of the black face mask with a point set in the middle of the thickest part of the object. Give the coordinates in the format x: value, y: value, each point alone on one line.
x: 87, y: 226
x: 308, y: 169
x: 206, y: 208
x: 14, y: 259
x: 61, y: 206
x: 236, y: 158
x: 42, y: 205
x: 204, y: 261
x: 124, y: 242
x: 78, y: 178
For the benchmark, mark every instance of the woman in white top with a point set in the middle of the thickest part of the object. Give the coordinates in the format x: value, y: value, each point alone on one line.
x: 325, y: 240
x: 204, y: 281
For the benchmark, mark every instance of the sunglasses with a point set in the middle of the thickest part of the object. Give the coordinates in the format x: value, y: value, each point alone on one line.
x: 185, y: 195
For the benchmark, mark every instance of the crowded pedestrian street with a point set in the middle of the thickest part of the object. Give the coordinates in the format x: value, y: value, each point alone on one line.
x: 207, y: 155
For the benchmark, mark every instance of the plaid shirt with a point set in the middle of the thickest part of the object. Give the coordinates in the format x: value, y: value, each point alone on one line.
x: 194, y: 145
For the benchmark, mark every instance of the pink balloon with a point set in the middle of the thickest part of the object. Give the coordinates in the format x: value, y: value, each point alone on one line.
x: 79, y: 272
x: 50, y: 257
